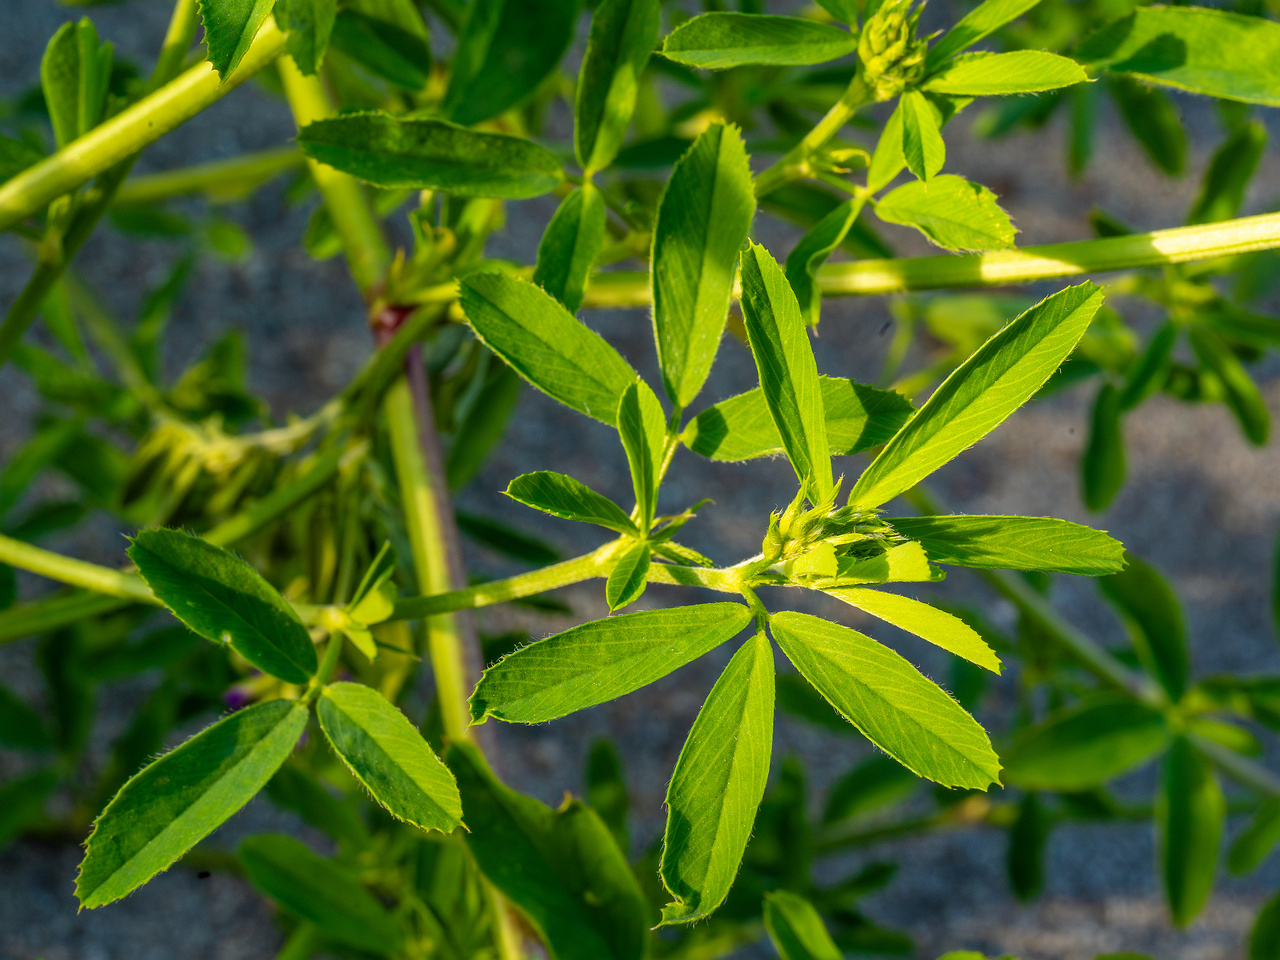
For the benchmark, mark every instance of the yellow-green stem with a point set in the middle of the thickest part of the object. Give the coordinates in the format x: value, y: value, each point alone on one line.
x: 362, y: 240
x: 422, y: 507
x: 130, y: 130
x: 219, y: 180
x: 77, y: 573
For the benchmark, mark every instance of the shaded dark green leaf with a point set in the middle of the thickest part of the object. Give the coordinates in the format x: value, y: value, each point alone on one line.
x: 1084, y: 747
x: 643, y: 428
x: 309, y: 24
x: 569, y: 248
x: 561, y: 868
x: 717, y: 41
x: 229, y: 29
x: 1229, y: 173
x: 1151, y: 611
x: 796, y: 929
x: 319, y: 891
x: 1243, y: 396
x: 223, y: 599
x: 1102, y: 467
x: 419, y: 153
x: 623, y: 33
x: 506, y: 48
x: 1190, y: 811
x: 384, y: 49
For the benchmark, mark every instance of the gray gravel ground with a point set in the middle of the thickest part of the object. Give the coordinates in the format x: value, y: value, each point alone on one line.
x: 1201, y: 504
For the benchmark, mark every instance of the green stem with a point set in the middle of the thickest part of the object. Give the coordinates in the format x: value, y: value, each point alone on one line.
x: 796, y: 163
x: 589, y: 566
x: 1091, y: 654
x: 362, y: 239
x: 586, y: 567
x: 129, y: 131
x: 332, y: 651
x: 220, y: 180
x: 77, y: 573
x: 420, y: 501
x: 1242, y: 770
x: 62, y: 241
x: 1030, y: 264
x: 54, y: 613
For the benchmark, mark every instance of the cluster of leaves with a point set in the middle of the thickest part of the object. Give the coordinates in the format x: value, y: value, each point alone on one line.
x: 313, y: 502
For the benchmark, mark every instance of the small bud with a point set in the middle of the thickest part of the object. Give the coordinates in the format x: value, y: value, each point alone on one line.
x: 892, y: 58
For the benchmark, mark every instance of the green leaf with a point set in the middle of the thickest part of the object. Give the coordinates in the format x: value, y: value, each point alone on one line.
x: 807, y: 256
x: 717, y: 41
x: 628, y: 578
x: 483, y: 426
x: 1264, y: 939
x: 506, y: 48
x: 74, y: 76
x: 994, y: 74
x: 858, y: 417
x: 1082, y: 748
x: 22, y: 800
x: 384, y: 49
x: 375, y: 595
x: 320, y: 892
x: 606, y: 790
x: 999, y: 377
x: 952, y: 212
x: 569, y: 248
x: 1255, y: 844
x: 1028, y: 837
x: 425, y: 154
x: 981, y: 21
x: 1102, y: 467
x: 223, y: 599
x: 896, y: 708
x: 703, y: 220
x: 1153, y: 615
x: 506, y: 540
x: 1229, y: 173
x: 1014, y: 543
x: 788, y: 372
x: 643, y: 428
x: 600, y: 661
x: 717, y: 785
x: 922, y: 146
x: 309, y: 24
x: 175, y: 802
x: 1154, y: 122
x: 796, y: 929
x: 546, y: 345
x: 623, y: 33
x: 871, y: 785
x: 887, y: 161
x: 385, y: 752
x: 1243, y: 396
x: 229, y: 29
x: 1149, y: 372
x: 295, y: 789
x: 561, y: 867
x: 20, y: 726
x: 569, y: 499
x: 1203, y: 51
x: 1190, y: 811
x: 928, y: 623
